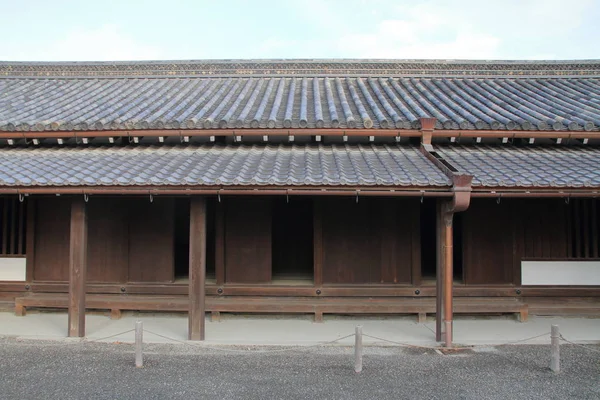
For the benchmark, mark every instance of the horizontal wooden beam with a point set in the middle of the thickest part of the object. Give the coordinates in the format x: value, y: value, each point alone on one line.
x: 439, y: 133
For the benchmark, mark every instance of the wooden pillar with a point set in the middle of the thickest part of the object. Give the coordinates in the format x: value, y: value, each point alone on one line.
x: 77, y: 267
x: 197, y: 281
x: 448, y: 278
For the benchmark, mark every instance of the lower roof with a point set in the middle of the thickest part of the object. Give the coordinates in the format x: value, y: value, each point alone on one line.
x: 297, y: 165
x: 526, y: 166
x: 220, y: 165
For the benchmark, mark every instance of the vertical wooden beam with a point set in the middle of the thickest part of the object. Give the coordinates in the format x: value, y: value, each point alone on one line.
x: 594, y: 223
x: 439, y: 272
x: 585, y: 237
x: 197, y: 281
x: 30, y: 240
x: 220, y: 243
x: 577, y: 223
x: 317, y: 243
x: 21, y: 237
x: 4, y: 226
x: 13, y: 226
x: 77, y: 267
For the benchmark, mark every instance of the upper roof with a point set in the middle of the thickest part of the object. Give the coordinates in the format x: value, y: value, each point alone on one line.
x: 235, y: 94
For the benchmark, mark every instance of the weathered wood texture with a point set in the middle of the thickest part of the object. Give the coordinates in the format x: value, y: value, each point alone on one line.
x: 248, y: 257
x: 12, y: 223
x: 292, y: 238
x: 197, y: 269
x: 151, y: 241
x: 108, y: 251
x: 77, y: 266
x: 497, y: 237
x: 129, y: 240
x: 488, y: 230
x: 372, y: 241
x: 52, y: 239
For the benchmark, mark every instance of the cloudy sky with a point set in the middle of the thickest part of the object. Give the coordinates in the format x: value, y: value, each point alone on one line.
x: 61, y: 30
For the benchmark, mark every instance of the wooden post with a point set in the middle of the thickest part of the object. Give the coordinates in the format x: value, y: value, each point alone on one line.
x: 197, y: 268
x: 555, y: 348
x: 139, y: 337
x: 77, y: 267
x: 358, y: 350
x: 448, y: 278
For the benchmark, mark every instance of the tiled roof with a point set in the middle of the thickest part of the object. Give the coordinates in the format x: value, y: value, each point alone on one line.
x: 217, y: 165
x: 300, y: 94
x: 511, y: 166
x: 203, y: 103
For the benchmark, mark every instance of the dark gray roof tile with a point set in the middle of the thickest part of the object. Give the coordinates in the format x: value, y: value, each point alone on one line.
x: 523, y: 167
x: 215, y: 165
x: 342, y: 95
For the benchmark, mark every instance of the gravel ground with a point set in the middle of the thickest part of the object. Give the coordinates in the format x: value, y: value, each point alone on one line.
x: 83, y: 370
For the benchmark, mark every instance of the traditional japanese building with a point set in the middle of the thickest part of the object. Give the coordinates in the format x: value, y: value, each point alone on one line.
x: 326, y: 186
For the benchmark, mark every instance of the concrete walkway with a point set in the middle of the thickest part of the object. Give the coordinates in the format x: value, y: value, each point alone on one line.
x: 299, y: 330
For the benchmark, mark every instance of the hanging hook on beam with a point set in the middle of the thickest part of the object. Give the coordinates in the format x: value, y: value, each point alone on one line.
x: 86, y: 197
x: 21, y: 197
x: 219, y: 195
x: 151, y: 198
x: 422, y: 195
x: 357, y: 196
x: 499, y: 198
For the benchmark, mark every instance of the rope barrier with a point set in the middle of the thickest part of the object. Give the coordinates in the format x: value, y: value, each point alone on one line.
x: 293, y: 348
x: 108, y: 337
x: 579, y: 345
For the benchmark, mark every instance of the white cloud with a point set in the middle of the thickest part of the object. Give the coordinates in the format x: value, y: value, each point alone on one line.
x: 106, y: 43
x: 469, y: 29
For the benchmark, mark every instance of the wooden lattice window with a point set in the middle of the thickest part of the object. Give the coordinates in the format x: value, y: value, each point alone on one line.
x: 12, y: 222
x: 583, y: 228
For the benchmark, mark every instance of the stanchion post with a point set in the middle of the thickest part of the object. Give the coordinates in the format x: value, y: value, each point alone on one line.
x: 139, y: 330
x: 358, y: 349
x: 555, y: 348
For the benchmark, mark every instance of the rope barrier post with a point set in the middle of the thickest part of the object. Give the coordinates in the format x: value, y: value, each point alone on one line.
x: 555, y: 349
x: 358, y: 349
x: 139, y: 330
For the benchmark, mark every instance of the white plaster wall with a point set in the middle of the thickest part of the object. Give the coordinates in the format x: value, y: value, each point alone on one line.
x: 582, y: 273
x: 12, y: 269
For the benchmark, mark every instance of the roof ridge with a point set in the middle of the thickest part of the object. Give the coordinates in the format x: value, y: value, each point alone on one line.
x: 300, y: 67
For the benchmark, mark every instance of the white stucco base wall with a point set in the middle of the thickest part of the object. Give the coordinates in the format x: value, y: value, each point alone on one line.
x: 12, y: 269
x: 578, y: 273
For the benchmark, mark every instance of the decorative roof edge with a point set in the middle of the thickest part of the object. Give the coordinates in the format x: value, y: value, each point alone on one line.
x: 304, y: 67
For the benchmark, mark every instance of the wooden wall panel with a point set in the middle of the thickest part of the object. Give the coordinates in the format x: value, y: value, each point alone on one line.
x: 52, y: 222
x: 545, y: 228
x: 108, y: 231
x: 151, y: 240
x: 487, y: 233
x: 247, y: 240
x: 372, y: 241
